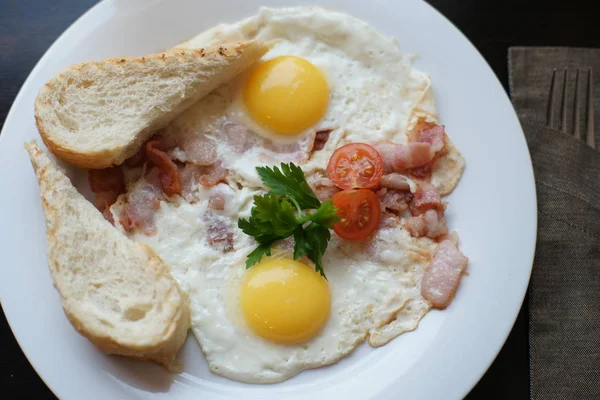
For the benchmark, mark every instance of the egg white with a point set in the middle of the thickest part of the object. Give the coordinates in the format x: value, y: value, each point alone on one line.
x: 375, y: 95
x: 374, y: 287
x: 373, y: 86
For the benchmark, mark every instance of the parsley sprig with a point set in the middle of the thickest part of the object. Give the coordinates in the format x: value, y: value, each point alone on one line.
x: 285, y: 211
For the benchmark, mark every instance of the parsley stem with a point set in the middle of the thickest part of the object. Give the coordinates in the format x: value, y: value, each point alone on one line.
x: 295, y: 203
x: 303, y: 219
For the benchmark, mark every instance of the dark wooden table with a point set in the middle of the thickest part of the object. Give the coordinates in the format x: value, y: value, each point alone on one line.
x: 28, y: 28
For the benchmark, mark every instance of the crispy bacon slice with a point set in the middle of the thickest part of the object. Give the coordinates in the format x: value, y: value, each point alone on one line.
x: 400, y: 157
x: 190, y: 146
x: 388, y: 219
x: 103, y: 202
x: 169, y: 175
x: 425, y: 205
x: 395, y: 201
x: 240, y: 139
x: 107, y: 184
x: 190, y: 179
x: 426, y: 197
x: 422, y: 173
x: 427, y: 209
x: 219, y: 234
x: 426, y: 132
x: 194, y: 175
x: 143, y: 200
x: 442, y: 275
x: 321, y: 139
x: 425, y: 141
x: 106, y: 180
x: 217, y: 202
x: 394, y: 181
x: 431, y: 224
x: 213, y: 174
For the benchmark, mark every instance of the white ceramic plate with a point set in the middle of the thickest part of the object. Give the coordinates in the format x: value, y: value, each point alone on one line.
x: 493, y: 209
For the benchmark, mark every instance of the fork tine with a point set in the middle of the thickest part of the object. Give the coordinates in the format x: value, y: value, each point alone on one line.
x: 563, y: 104
x: 550, y: 103
x: 591, y: 141
x: 576, y: 111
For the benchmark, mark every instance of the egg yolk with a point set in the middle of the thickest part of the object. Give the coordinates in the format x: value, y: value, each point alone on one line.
x: 286, y: 94
x: 284, y: 301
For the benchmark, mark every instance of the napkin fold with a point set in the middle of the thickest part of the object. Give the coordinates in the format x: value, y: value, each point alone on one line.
x: 564, y: 292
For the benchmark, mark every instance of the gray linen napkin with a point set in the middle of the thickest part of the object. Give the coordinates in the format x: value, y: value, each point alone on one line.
x: 564, y: 293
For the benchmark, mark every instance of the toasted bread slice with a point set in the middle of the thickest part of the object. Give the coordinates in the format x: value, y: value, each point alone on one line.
x: 98, y: 114
x: 116, y: 292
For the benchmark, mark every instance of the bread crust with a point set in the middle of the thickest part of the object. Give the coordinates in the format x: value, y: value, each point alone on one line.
x: 81, y: 269
x: 215, y: 66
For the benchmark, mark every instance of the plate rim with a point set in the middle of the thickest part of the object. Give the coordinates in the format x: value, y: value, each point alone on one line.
x: 98, y: 7
x: 532, y: 183
x: 38, y: 65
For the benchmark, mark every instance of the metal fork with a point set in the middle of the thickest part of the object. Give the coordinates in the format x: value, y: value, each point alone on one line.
x: 577, y: 107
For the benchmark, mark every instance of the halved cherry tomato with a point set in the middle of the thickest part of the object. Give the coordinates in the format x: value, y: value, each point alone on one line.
x: 355, y: 165
x: 360, y: 212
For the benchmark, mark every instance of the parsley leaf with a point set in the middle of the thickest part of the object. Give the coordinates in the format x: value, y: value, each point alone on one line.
x: 317, y: 236
x: 271, y: 218
x: 256, y: 255
x: 289, y: 181
x: 301, y: 245
x: 280, y: 213
x: 260, y: 232
x: 312, y: 242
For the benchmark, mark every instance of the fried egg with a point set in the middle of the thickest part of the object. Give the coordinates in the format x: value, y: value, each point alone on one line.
x: 326, y: 71
x: 246, y: 331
